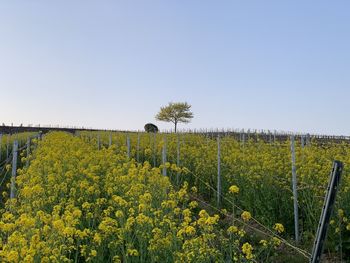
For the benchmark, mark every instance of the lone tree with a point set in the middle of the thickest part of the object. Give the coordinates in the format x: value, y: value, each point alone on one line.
x: 175, y: 113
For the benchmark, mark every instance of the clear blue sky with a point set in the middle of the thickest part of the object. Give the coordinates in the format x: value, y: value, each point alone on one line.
x: 281, y: 65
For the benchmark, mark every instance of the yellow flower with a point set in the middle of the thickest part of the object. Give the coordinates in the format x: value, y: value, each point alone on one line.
x: 13, y: 256
x: 193, y: 204
x: 276, y: 241
x: 246, y: 216
x: 247, y: 250
x: 233, y: 189
x: 194, y: 189
x: 340, y: 213
x: 97, y: 239
x: 93, y: 253
x: 279, y: 228
x: 8, y: 167
x: 263, y: 242
x: 132, y: 252
x: 232, y: 230
x: 203, y: 213
x: 190, y: 230
x: 119, y: 214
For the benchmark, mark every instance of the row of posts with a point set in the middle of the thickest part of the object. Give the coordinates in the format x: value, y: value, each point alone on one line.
x: 305, y: 140
x: 14, y: 162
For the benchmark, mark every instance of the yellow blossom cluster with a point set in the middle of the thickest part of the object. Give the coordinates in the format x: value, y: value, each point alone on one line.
x: 77, y: 202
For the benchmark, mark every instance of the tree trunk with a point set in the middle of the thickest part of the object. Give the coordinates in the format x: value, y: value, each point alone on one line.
x: 175, y: 125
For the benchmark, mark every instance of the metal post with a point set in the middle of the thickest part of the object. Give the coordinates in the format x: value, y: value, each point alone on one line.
x: 154, y: 149
x: 138, y: 148
x: 128, y: 145
x: 219, y: 174
x: 110, y: 140
x: 178, y: 158
x: 302, y: 141
x: 308, y: 139
x: 295, y: 192
x: 14, y: 169
x: 326, y: 211
x: 98, y: 142
x: 8, y: 146
x: 28, y: 151
x: 164, y: 156
x: 0, y: 146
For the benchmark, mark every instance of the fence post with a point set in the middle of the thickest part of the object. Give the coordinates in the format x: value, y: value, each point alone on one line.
x: 0, y: 146
x: 164, y: 156
x: 308, y: 139
x: 14, y: 169
x: 8, y: 146
x: 128, y: 145
x: 138, y: 148
x: 154, y: 149
x: 28, y: 151
x: 110, y: 140
x: 178, y: 158
x: 219, y: 174
x: 302, y: 141
x: 326, y: 211
x: 295, y: 191
x: 98, y: 142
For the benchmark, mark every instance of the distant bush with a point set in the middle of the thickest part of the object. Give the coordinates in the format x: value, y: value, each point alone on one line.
x: 150, y: 127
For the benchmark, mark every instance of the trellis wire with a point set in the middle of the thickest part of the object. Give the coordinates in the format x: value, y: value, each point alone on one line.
x: 303, y: 252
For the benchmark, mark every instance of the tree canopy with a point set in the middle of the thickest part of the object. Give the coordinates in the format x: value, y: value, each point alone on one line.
x: 175, y: 112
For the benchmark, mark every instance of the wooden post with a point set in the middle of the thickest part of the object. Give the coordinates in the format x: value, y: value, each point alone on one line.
x: 28, y: 151
x: 164, y: 156
x: 219, y: 174
x: 295, y: 191
x: 14, y: 169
